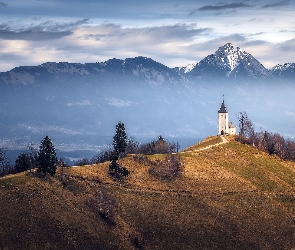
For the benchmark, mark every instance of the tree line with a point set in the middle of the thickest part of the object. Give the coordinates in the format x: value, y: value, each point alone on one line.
x: 44, y: 160
x: 272, y: 143
x: 159, y: 146
x: 122, y: 146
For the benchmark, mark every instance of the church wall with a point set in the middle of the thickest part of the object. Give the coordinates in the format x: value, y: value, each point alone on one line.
x: 222, y: 123
x: 232, y: 131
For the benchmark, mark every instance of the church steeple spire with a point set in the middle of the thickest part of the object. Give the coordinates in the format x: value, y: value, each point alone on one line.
x: 223, y: 109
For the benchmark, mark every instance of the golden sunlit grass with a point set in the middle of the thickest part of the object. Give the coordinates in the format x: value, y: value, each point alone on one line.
x: 212, y: 140
x: 230, y: 196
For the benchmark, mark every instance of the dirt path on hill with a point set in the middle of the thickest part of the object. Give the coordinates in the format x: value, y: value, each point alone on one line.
x: 224, y: 140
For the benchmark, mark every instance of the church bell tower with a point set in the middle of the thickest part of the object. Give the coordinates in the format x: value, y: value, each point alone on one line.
x: 223, y: 128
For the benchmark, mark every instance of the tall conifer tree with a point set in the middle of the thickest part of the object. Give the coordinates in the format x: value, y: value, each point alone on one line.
x: 47, y: 160
x: 120, y: 139
x: 120, y: 144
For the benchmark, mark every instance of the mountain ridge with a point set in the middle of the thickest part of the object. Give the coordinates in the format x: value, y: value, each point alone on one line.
x: 228, y: 62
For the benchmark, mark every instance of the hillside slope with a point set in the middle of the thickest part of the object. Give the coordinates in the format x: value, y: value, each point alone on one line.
x: 229, y: 196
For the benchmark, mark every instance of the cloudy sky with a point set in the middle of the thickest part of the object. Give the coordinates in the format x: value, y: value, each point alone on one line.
x: 172, y: 32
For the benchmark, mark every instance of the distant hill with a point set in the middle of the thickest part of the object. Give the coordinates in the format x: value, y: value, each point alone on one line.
x: 230, y: 196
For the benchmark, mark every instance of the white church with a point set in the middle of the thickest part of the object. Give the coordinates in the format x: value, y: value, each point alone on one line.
x: 224, y: 126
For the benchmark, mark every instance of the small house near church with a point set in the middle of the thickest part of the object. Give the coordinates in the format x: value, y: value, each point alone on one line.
x: 232, y: 130
x: 224, y: 126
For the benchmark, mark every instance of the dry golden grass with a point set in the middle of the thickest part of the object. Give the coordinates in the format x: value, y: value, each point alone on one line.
x: 209, y: 141
x: 230, y: 196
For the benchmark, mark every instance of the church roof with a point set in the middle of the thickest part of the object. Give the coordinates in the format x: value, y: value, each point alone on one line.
x: 231, y: 125
x: 222, y: 109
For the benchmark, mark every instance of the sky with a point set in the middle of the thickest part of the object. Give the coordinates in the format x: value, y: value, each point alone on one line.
x: 173, y: 32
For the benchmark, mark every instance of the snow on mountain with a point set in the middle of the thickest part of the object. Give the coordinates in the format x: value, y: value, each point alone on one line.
x: 280, y: 67
x: 151, y: 98
x: 284, y: 71
x: 64, y: 67
x: 186, y: 69
x: 230, y: 61
x: 228, y: 56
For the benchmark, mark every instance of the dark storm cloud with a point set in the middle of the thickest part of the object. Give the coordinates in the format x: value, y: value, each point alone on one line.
x: 225, y: 6
x: 277, y: 4
x: 2, y: 4
x: 31, y: 34
x: 44, y: 31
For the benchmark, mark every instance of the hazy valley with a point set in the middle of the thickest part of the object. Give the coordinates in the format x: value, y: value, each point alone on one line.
x: 78, y: 105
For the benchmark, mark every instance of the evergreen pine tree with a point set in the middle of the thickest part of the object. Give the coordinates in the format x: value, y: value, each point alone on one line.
x: 120, y: 139
x: 47, y: 160
x: 119, y: 144
x: 23, y: 162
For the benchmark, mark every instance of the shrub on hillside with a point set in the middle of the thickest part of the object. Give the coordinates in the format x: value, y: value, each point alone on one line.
x: 115, y: 170
x: 166, y: 169
x: 104, y: 205
x: 101, y: 157
x: 273, y: 144
x: 160, y: 146
x: 83, y: 162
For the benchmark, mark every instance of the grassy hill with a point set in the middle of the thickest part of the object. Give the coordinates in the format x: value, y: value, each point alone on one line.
x: 229, y: 196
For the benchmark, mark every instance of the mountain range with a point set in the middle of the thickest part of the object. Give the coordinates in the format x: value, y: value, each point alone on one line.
x: 80, y: 104
x: 228, y: 62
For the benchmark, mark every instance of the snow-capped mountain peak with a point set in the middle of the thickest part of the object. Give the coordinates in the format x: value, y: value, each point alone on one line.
x: 230, y: 56
x: 230, y: 61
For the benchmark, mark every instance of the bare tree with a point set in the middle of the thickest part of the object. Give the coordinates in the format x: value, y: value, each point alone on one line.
x: 290, y: 150
x: 247, y: 133
x: 132, y: 146
x: 4, y: 163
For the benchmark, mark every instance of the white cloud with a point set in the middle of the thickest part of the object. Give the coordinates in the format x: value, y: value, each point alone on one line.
x: 119, y: 103
x: 82, y: 103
